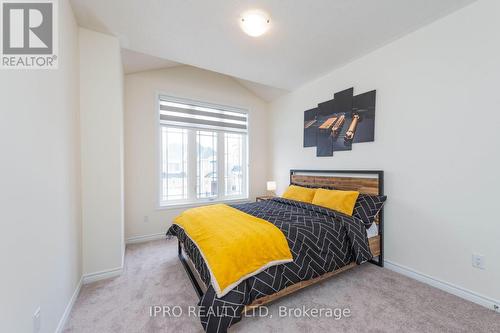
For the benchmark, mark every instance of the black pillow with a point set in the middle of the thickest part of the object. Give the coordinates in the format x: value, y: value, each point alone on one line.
x: 367, y: 207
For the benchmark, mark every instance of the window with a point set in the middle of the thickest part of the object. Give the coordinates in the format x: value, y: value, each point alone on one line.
x: 206, y: 158
x: 203, y: 152
x: 233, y: 160
x: 174, y: 162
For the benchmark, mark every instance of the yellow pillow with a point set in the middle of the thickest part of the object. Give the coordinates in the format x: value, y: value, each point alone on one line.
x: 341, y: 201
x: 299, y: 193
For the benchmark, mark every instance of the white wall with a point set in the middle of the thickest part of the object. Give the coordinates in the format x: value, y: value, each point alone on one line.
x: 40, y: 247
x: 141, y: 129
x: 101, y: 114
x: 437, y: 139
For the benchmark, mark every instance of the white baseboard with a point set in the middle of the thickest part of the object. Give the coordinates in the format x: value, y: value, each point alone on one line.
x: 86, y: 278
x: 145, y: 238
x: 445, y: 286
x: 106, y: 274
x: 69, y: 307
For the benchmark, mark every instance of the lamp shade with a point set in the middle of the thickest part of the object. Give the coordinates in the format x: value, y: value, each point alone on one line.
x: 271, y: 185
x: 255, y: 22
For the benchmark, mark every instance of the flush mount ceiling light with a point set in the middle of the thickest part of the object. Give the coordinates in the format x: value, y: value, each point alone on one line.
x: 255, y: 22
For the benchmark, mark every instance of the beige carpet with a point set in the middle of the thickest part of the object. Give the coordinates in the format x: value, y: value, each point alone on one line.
x: 379, y: 300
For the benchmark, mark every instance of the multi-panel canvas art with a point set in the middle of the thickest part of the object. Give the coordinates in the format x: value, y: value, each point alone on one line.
x: 336, y: 124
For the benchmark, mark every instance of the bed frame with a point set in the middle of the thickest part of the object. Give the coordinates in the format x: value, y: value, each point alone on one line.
x: 363, y: 181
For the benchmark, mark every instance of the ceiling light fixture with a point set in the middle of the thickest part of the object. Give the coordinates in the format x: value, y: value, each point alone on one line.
x: 255, y: 22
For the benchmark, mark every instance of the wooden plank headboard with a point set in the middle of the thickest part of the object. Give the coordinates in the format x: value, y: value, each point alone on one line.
x: 363, y: 181
x: 368, y: 182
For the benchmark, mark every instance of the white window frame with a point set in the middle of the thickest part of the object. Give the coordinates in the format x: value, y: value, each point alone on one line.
x: 192, y: 199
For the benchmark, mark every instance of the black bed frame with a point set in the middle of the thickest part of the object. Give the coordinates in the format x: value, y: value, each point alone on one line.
x: 379, y: 262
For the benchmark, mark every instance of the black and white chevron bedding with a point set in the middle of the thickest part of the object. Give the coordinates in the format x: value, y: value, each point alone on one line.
x: 321, y: 241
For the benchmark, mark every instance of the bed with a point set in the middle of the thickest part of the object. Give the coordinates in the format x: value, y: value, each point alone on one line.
x: 345, y: 243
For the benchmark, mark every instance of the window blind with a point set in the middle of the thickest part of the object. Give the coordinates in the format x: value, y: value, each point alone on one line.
x: 191, y: 114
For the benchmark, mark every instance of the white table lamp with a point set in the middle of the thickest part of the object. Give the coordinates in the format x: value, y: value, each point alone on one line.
x: 271, y: 187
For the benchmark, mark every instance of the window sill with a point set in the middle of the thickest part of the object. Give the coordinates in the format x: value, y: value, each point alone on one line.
x: 175, y: 206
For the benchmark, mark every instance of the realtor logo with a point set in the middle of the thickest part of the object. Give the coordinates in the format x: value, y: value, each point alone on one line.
x: 29, y: 34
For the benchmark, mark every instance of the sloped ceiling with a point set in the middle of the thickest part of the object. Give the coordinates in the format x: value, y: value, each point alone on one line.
x: 134, y: 62
x: 267, y: 93
x: 306, y: 40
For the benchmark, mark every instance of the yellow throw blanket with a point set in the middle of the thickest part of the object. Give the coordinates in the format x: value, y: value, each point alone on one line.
x: 234, y: 245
